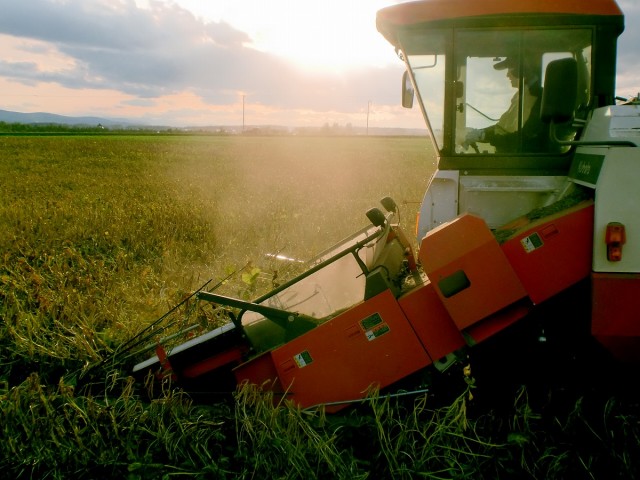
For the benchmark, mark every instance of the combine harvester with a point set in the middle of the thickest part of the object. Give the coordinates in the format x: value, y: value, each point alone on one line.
x: 534, y: 203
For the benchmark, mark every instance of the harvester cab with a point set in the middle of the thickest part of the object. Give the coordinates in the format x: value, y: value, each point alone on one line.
x: 534, y: 202
x: 480, y: 75
x: 519, y: 99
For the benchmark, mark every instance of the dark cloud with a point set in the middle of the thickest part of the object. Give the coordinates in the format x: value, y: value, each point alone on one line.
x: 166, y: 49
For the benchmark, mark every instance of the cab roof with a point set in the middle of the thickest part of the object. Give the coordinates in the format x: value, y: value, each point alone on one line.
x: 413, y: 14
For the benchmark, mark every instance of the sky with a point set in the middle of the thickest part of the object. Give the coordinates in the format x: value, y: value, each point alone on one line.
x: 217, y: 62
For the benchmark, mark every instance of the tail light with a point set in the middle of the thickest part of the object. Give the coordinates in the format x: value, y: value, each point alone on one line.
x: 615, y: 238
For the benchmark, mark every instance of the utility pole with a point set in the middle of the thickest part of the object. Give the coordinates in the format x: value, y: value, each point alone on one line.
x: 368, y: 110
x: 243, y: 113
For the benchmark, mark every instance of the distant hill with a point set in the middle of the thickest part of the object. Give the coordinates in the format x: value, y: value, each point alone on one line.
x: 43, y: 118
x: 51, y: 118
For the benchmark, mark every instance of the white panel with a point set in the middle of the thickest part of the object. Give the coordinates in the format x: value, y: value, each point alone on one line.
x: 501, y: 199
x: 440, y: 202
x: 618, y: 200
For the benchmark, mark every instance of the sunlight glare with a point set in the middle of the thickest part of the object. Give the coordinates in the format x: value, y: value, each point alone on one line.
x: 331, y: 36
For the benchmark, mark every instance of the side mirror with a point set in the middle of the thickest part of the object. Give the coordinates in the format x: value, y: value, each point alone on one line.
x: 407, y: 91
x: 389, y: 204
x: 560, y: 91
x: 376, y: 217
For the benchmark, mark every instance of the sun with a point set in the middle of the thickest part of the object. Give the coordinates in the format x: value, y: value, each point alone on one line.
x: 325, y: 37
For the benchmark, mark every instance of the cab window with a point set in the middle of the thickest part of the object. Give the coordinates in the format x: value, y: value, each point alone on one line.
x: 498, y: 88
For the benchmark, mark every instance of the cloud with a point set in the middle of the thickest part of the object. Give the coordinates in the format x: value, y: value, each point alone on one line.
x: 162, y: 54
x: 118, y: 45
x: 162, y: 50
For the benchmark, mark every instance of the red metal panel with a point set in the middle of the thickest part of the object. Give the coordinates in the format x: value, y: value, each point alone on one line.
x: 616, y: 313
x: 259, y: 371
x: 471, y: 273
x: 370, y: 344
x: 481, y: 331
x: 431, y: 321
x: 413, y: 13
x: 230, y: 356
x: 553, y: 253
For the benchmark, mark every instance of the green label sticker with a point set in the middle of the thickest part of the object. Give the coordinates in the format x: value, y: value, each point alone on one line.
x: 377, y: 331
x: 371, y: 321
x: 532, y: 242
x: 303, y: 359
x: 374, y: 326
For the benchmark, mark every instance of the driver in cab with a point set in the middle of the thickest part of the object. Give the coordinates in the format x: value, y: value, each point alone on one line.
x: 504, y: 134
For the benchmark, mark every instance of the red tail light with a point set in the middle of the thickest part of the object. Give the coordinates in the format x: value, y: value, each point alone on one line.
x: 615, y: 238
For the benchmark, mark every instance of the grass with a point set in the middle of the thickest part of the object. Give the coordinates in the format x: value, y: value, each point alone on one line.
x: 100, y: 236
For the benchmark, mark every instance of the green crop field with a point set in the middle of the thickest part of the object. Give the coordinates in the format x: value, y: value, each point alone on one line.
x: 101, y: 235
